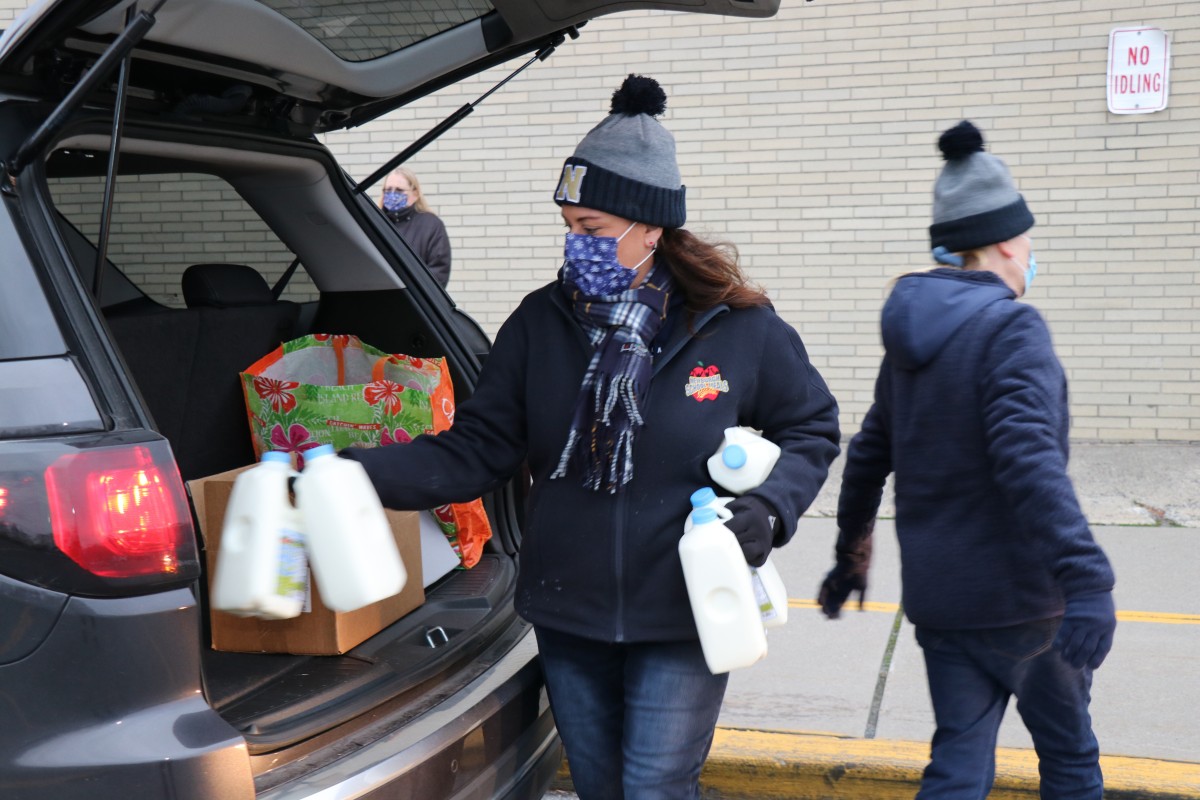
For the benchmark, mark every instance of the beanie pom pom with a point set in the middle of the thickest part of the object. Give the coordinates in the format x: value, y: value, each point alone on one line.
x: 960, y: 141
x: 639, y: 95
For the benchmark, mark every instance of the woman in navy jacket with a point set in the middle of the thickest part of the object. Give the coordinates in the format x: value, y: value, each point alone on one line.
x: 1009, y: 592
x: 614, y: 384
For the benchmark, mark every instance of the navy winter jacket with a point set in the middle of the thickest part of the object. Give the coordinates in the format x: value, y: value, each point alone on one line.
x: 606, y: 566
x: 971, y: 414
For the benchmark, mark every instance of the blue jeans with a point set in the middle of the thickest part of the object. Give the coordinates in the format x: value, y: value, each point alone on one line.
x: 971, y: 676
x: 636, y: 719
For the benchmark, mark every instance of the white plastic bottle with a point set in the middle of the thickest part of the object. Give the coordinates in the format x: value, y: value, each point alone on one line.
x: 261, y: 570
x: 768, y: 585
x: 743, y: 461
x: 707, y: 498
x: 350, y: 545
x: 721, y: 595
x: 771, y: 594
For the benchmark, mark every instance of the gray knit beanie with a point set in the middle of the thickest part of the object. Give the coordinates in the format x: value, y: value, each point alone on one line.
x: 975, y: 202
x: 626, y: 165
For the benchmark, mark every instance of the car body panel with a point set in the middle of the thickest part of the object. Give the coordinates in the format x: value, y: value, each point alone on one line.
x: 479, y: 743
x: 152, y: 736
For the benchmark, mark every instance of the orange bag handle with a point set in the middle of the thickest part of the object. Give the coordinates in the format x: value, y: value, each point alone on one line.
x: 441, y: 400
x: 339, y: 352
x: 378, y: 367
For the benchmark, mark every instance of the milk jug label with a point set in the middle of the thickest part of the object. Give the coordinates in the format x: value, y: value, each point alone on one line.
x: 293, y: 568
x: 765, y: 606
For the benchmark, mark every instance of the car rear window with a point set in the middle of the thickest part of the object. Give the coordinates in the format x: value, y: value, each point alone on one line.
x: 28, y: 328
x: 163, y: 223
x: 45, y: 397
x: 355, y: 34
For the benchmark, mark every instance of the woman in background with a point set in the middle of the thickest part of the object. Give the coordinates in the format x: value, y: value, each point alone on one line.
x: 420, y: 228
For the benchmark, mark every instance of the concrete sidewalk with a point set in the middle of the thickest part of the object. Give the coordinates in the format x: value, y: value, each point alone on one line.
x: 839, y: 709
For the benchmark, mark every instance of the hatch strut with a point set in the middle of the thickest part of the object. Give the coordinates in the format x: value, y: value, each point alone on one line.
x: 137, y: 24
x: 455, y: 118
x: 114, y: 154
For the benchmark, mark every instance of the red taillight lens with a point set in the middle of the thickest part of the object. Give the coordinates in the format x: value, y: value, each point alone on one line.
x: 119, y: 514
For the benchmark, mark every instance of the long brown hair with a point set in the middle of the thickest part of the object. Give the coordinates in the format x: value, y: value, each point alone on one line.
x: 708, y: 273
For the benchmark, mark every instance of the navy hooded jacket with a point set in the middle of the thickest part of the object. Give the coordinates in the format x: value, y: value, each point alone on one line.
x: 606, y: 566
x: 971, y: 415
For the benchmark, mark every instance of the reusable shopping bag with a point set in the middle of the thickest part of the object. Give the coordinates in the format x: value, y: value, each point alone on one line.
x: 334, y: 389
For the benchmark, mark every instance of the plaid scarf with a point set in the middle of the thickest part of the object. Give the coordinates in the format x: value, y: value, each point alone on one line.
x: 608, y: 410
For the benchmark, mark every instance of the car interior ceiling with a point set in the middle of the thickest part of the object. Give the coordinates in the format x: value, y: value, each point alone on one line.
x: 292, y: 193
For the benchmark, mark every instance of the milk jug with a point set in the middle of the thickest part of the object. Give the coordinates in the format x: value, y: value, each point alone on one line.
x: 707, y: 498
x: 349, y: 542
x: 721, y: 595
x: 743, y: 461
x: 261, y: 570
x: 768, y: 585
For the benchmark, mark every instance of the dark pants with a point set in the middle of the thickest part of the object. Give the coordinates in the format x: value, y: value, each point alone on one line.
x: 971, y: 676
x: 636, y: 719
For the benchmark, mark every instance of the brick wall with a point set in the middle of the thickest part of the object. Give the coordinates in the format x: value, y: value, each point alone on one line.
x: 808, y: 141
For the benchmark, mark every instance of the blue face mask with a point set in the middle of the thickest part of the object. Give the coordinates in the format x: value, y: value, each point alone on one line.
x: 394, y: 200
x: 1030, y: 271
x: 591, y: 264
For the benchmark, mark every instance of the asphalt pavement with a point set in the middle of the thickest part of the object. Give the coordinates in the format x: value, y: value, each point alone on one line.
x: 839, y: 709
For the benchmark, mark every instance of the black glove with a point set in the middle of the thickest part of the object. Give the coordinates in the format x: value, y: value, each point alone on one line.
x: 849, y: 573
x: 755, y: 524
x: 1086, y: 634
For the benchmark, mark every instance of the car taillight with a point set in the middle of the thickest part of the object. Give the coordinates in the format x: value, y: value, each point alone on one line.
x: 119, y: 513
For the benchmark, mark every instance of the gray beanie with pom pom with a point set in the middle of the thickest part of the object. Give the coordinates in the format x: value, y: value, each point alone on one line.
x: 626, y: 165
x: 975, y: 202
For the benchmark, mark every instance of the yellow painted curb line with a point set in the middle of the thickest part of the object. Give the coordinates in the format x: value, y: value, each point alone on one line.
x: 782, y: 765
x: 1156, y: 617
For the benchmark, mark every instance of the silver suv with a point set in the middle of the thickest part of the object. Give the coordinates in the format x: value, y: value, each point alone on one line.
x: 142, y: 143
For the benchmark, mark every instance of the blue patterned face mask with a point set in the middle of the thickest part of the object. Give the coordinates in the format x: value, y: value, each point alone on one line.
x: 1030, y: 271
x: 591, y: 264
x: 394, y: 200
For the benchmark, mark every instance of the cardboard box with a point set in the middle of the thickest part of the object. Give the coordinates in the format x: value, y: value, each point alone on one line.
x: 318, y: 631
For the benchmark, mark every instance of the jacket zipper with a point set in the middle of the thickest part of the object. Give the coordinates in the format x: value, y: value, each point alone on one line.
x: 680, y: 340
x: 660, y: 360
x: 619, y: 554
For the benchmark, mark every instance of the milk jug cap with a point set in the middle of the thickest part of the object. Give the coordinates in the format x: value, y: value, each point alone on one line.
x: 734, y: 456
x: 702, y: 497
x: 318, y: 451
x: 703, y: 515
x: 278, y: 456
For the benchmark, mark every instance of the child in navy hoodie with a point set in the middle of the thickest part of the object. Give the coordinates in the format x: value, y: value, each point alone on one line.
x: 1009, y: 592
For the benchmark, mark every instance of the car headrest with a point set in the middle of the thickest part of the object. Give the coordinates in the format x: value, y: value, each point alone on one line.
x: 224, y: 286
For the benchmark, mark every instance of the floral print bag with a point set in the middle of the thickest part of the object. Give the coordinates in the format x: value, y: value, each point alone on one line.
x: 334, y: 389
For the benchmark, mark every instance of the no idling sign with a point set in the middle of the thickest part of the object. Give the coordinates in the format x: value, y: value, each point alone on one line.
x: 1138, y: 65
